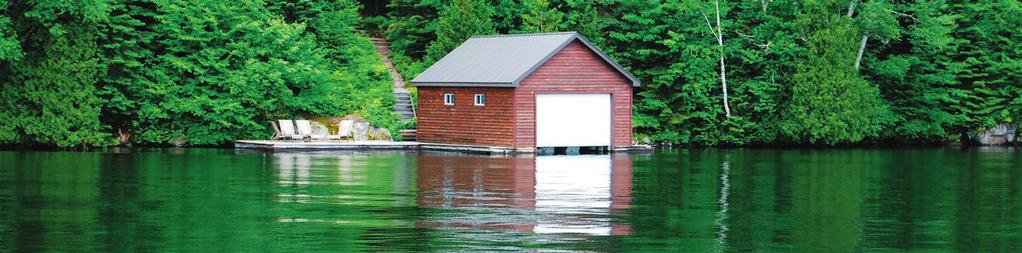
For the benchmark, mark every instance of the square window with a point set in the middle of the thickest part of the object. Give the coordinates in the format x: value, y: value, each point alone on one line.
x: 448, y: 98
x: 480, y: 99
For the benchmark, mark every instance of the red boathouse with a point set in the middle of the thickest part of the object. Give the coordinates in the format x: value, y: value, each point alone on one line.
x: 526, y: 91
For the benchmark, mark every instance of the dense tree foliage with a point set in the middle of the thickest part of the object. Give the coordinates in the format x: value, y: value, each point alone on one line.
x: 457, y: 22
x: 9, y: 48
x: 830, y: 102
x: 81, y: 73
x: 539, y: 17
x: 813, y: 72
x: 49, y: 73
x: 199, y: 72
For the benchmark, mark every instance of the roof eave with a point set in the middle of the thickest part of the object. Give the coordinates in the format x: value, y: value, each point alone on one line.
x: 464, y: 84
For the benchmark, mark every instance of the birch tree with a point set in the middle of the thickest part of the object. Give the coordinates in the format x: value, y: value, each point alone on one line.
x: 720, y: 41
x: 877, y: 19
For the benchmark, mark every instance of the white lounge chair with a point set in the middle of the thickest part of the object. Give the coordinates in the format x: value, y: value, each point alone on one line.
x: 277, y: 135
x: 287, y: 130
x: 304, y: 129
x: 344, y: 129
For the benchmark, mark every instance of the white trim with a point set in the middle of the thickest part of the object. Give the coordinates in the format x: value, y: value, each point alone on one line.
x: 479, y: 97
x: 451, y: 96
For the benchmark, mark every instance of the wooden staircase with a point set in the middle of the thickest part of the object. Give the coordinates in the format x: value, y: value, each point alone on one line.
x: 402, y: 99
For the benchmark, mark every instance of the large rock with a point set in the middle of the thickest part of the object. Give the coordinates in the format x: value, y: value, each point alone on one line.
x: 1002, y: 134
x: 319, y: 130
x: 380, y: 134
x: 180, y: 141
x: 360, y: 131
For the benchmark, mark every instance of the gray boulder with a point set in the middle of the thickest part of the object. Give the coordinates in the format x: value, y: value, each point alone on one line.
x: 1001, y: 134
x: 380, y: 134
x: 360, y: 131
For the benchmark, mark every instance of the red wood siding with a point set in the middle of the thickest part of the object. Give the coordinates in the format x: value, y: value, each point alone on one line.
x: 575, y: 69
x: 465, y: 123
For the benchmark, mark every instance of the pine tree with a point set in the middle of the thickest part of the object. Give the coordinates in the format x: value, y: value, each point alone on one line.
x: 583, y: 16
x: 458, y: 21
x: 540, y: 17
x: 916, y: 74
x: 988, y: 49
x: 507, y: 16
x: 126, y: 41
x: 830, y: 102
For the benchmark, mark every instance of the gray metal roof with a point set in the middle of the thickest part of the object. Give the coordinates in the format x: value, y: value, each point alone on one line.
x: 502, y: 60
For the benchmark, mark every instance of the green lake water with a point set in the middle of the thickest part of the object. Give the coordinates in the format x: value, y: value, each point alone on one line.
x: 699, y: 200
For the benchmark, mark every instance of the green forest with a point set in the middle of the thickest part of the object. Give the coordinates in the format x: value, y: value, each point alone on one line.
x: 89, y: 73
x: 92, y: 72
x: 802, y: 72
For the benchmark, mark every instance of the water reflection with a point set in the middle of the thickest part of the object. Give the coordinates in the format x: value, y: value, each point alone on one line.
x: 545, y: 194
x: 188, y: 200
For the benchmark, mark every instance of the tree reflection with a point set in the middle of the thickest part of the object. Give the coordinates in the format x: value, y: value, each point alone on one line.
x: 700, y: 200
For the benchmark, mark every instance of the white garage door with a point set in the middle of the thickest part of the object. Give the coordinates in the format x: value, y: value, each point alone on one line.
x: 570, y: 120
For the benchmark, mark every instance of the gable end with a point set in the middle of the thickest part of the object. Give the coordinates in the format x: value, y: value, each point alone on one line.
x: 634, y: 81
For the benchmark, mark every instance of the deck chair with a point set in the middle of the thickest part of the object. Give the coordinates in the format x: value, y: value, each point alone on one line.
x: 304, y: 129
x: 277, y: 135
x: 287, y: 129
x: 344, y: 129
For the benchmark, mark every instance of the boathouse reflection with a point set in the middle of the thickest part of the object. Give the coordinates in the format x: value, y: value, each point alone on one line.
x: 540, y: 194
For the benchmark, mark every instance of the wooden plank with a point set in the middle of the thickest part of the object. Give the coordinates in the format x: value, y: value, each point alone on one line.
x: 464, y: 122
x: 575, y: 69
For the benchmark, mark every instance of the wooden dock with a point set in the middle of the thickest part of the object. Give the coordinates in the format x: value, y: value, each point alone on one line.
x: 283, y: 146
x: 366, y: 145
x: 324, y: 145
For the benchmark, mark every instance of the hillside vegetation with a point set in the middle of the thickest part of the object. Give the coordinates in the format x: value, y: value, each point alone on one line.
x: 82, y: 73
x: 820, y: 72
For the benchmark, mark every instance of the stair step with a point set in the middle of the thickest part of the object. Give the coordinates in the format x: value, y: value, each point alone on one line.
x: 402, y: 99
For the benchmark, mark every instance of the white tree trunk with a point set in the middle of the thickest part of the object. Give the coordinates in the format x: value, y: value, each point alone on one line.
x: 851, y: 7
x: 862, y: 48
x: 865, y: 37
x: 723, y: 76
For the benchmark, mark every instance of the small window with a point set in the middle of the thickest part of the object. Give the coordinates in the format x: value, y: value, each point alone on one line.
x: 480, y: 99
x: 448, y: 98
